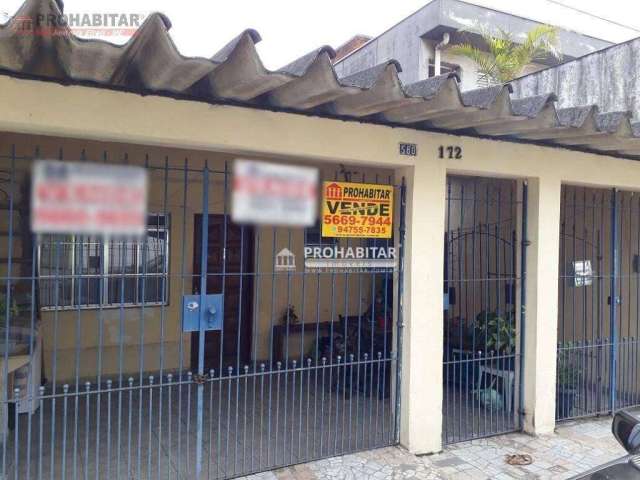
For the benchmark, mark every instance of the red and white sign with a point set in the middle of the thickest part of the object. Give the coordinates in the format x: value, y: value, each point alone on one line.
x: 88, y: 198
x: 266, y: 193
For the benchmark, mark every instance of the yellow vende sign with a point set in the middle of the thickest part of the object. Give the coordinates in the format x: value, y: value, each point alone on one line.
x: 357, y: 210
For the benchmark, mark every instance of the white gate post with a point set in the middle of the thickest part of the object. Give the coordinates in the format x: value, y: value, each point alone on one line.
x: 541, y: 322
x: 421, y: 388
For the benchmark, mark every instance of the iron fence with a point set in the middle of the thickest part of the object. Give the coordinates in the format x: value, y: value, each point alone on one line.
x: 305, y: 367
x: 483, y: 307
x: 598, y: 302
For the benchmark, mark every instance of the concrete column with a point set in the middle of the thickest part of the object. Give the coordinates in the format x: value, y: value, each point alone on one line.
x: 541, y: 321
x: 421, y: 390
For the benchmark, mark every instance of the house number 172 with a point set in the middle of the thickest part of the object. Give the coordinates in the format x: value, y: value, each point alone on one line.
x: 450, y: 151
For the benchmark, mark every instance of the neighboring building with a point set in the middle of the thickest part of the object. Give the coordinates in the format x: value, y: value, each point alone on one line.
x: 418, y: 40
x: 349, y: 46
x: 512, y: 302
x: 607, y: 78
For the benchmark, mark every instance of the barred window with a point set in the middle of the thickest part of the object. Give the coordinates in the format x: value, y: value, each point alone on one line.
x: 89, y: 272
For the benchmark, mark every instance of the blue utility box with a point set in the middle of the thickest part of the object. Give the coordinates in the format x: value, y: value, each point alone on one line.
x: 212, y: 313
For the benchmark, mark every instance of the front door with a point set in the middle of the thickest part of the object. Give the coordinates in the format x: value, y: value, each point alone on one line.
x: 229, y: 347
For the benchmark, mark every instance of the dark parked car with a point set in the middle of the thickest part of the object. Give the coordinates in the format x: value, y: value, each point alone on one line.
x: 626, y: 429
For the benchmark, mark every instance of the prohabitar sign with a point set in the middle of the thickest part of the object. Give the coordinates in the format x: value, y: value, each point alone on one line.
x: 357, y: 210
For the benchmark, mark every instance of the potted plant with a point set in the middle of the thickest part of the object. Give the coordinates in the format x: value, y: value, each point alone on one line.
x: 497, y: 331
x: 13, y: 308
x: 289, y: 316
x: 568, y: 377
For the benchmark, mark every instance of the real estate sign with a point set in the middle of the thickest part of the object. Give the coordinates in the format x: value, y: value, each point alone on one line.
x: 88, y: 198
x: 357, y: 210
x: 270, y: 194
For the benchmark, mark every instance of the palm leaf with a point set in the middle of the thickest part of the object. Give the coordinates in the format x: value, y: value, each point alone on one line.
x: 485, y: 62
x: 505, y: 59
x: 540, y: 42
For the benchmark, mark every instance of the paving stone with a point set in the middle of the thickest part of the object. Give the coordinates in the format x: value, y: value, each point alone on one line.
x: 574, y: 448
x: 448, y: 462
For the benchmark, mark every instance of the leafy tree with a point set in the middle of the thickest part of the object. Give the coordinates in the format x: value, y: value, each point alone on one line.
x: 504, y: 59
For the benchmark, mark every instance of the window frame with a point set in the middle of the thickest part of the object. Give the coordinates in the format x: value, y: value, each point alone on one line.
x: 105, y: 276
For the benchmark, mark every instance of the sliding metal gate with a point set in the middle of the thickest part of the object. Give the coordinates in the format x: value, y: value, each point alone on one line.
x: 306, y: 365
x: 598, y: 369
x: 484, y: 307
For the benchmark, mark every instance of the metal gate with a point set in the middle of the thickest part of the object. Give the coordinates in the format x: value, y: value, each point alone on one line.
x: 484, y: 306
x: 102, y: 378
x: 599, y: 300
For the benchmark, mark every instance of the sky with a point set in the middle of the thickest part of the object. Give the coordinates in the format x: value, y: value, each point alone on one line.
x: 292, y: 28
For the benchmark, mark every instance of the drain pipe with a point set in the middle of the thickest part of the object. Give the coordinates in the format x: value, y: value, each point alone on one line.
x: 439, y: 47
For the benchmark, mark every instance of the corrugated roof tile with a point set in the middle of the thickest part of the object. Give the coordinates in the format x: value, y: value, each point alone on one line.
x: 151, y: 63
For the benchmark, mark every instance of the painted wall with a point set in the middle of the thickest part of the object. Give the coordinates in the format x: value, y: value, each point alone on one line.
x: 87, y: 342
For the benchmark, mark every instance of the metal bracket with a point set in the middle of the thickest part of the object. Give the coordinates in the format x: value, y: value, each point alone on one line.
x: 617, y: 300
x: 199, y: 379
x: 192, y: 313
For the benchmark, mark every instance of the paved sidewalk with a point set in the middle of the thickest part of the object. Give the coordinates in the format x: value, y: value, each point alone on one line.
x: 574, y: 448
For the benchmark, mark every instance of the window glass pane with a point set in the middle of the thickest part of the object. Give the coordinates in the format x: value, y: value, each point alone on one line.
x: 89, y: 252
x: 152, y: 288
x: 123, y: 270
x: 155, y: 252
x: 56, y: 254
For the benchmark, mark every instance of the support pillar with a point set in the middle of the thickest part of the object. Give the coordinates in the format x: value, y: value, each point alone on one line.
x: 541, y: 322
x: 421, y: 388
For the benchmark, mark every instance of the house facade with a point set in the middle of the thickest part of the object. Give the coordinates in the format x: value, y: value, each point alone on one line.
x: 511, y: 304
